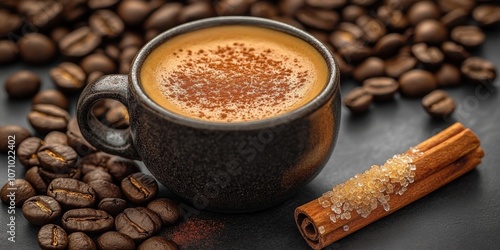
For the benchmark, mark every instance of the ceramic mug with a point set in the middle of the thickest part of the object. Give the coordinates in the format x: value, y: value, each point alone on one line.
x: 229, y: 167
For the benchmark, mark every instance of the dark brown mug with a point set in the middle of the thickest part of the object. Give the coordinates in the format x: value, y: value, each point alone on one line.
x: 230, y: 167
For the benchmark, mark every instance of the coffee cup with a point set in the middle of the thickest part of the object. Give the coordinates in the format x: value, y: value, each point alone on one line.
x: 232, y: 114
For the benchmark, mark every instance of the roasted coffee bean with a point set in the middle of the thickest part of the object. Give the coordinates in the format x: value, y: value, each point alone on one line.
x: 438, y: 104
x: 479, y: 70
x: 355, y: 53
x: 105, y: 189
x: 417, y: 83
x: 455, y: 18
x: 382, y: 88
x: 139, y: 188
x: 22, y: 84
x: 450, y: 5
x: 399, y: 64
x: 430, y: 57
x: 423, y: 10
x: 358, y: 100
x: 487, y: 14
x: 392, y: 18
x: 11, y: 136
x: 372, y: 28
x: 289, y: 7
x: 101, y: 4
x: 80, y: 42
x: 139, y: 223
x: 71, y: 193
x: 158, y: 243
x: 402, y: 5
x: 468, y: 36
x: 263, y: 9
x: 448, y: 75
x: 352, y: 12
x: 112, y: 51
x: 51, y: 96
x: 80, y: 241
x: 58, y: 33
x: 454, y: 53
x: 196, y: 11
x: 56, y: 137
x: 97, y: 174
x: 130, y: 39
x: 164, y: 18
x: 40, y: 210
x: 117, y: 117
x: 15, y: 192
x: 8, y: 50
x: 106, y: 23
x: 133, y: 13
x: 76, y: 140
x: 57, y: 158
x: 318, y: 18
x: 126, y: 58
x: 45, y: 118
x: 36, y: 48
x: 112, y: 206
x: 232, y: 7
x: 68, y: 77
x: 52, y: 236
x: 113, y: 240
x: 35, y: 179
x: 27, y: 150
x: 9, y: 23
x: 98, y: 62
x: 87, y: 220
x: 167, y: 209
x: 431, y: 32
x: 371, y: 67
x: 389, y: 45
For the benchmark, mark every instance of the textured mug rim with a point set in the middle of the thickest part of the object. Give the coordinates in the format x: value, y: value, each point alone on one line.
x: 330, y: 89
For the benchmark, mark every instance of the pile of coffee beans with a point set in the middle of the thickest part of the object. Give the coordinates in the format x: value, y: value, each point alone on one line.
x: 84, y: 199
x: 408, y: 47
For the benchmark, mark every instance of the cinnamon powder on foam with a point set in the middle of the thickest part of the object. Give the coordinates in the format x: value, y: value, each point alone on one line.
x: 234, y: 74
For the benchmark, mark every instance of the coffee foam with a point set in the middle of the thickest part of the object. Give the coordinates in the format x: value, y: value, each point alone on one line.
x: 235, y: 76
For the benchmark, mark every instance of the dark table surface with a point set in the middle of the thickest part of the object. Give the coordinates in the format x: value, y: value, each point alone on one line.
x: 464, y: 214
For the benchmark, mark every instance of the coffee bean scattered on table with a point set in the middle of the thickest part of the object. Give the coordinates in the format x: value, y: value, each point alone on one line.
x: 45, y: 118
x: 71, y: 193
x: 139, y: 188
x: 22, y: 84
x: 158, y: 242
x: 51, y: 96
x: 438, y: 104
x: 167, y: 209
x: 138, y: 223
x: 52, y: 236
x: 80, y: 241
x: 15, y: 192
x: 41, y: 210
x: 13, y: 133
x: 116, y: 240
x: 87, y: 220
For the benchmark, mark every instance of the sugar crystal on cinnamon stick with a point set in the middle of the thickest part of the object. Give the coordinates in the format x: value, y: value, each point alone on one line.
x: 381, y: 190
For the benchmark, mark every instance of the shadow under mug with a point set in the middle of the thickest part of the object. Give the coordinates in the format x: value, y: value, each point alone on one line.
x: 228, y: 167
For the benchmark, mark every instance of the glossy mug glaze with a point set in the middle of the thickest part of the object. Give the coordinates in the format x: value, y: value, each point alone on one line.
x: 219, y: 166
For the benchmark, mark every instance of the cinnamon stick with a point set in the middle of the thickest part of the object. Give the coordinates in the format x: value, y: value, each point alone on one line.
x: 436, y: 162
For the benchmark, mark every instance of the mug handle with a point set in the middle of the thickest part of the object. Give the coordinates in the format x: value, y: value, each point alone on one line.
x: 113, y: 141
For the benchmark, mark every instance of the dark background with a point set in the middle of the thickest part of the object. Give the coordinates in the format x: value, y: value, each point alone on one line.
x: 464, y: 214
